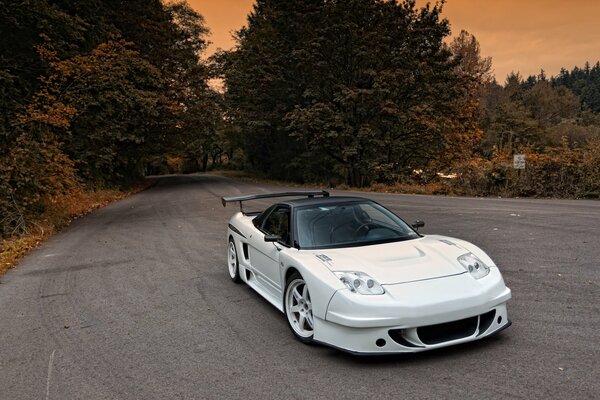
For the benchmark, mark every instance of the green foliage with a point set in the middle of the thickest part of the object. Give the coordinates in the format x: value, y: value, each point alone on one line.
x: 260, y: 86
x: 117, y: 98
x: 546, y: 121
x: 33, y: 164
x: 584, y: 82
x: 337, y: 90
x: 34, y: 170
x: 91, y: 91
x: 533, y: 114
x: 345, y: 91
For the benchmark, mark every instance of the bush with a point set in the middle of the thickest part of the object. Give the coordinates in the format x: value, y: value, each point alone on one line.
x: 32, y: 173
x: 558, y: 172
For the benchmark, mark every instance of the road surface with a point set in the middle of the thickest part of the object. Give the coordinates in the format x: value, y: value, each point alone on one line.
x: 134, y: 302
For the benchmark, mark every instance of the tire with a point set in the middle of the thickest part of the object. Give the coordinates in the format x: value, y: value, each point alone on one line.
x: 233, y: 265
x: 298, y: 308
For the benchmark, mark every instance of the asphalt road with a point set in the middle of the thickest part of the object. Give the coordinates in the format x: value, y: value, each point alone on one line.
x: 134, y: 302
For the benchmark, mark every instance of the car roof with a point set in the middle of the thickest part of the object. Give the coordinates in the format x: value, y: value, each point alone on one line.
x: 323, y: 201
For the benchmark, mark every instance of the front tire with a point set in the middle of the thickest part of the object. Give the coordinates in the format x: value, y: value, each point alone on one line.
x: 232, y: 262
x: 298, y: 308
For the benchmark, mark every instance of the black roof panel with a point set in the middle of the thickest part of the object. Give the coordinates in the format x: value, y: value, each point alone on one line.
x: 322, y: 200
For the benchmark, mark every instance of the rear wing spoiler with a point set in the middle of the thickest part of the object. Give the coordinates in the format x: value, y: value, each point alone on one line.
x: 301, y: 193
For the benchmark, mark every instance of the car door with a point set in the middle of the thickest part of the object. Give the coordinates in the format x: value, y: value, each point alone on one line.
x: 264, y: 256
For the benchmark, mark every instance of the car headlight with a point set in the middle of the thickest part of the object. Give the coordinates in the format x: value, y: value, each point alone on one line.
x: 359, y: 282
x: 474, y: 265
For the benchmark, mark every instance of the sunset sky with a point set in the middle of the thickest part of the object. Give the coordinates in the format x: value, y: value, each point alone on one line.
x: 519, y: 35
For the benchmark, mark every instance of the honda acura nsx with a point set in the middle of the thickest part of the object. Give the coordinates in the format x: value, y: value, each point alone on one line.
x: 349, y: 273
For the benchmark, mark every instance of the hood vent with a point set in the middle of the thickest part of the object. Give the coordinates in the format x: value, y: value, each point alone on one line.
x: 448, y: 242
x: 323, y: 258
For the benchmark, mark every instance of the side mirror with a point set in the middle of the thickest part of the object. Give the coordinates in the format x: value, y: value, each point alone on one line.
x: 418, y: 224
x: 272, y: 238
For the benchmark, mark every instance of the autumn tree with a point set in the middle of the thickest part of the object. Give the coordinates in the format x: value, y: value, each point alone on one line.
x: 92, y: 91
x: 116, y: 97
x: 533, y: 113
x: 33, y: 164
x: 474, y: 73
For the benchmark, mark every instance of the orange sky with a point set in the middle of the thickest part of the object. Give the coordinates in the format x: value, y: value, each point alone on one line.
x: 519, y: 35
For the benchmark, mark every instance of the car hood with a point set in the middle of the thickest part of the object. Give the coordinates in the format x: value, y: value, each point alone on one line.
x: 428, y: 257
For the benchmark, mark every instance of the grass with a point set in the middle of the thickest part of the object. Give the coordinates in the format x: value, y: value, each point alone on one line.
x: 59, y: 213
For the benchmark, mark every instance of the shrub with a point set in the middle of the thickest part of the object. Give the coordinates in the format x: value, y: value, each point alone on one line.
x: 558, y: 172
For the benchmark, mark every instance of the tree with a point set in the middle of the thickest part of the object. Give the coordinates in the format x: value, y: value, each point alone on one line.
x: 584, y: 82
x: 342, y: 89
x: 33, y: 165
x: 262, y: 81
x: 471, y: 65
x: 116, y: 97
x: 92, y: 90
x: 474, y: 75
x: 197, y: 106
x: 550, y: 105
x: 531, y: 113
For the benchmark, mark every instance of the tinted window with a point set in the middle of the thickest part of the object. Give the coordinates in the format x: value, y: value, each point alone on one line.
x: 349, y: 224
x: 278, y: 223
x: 258, y: 221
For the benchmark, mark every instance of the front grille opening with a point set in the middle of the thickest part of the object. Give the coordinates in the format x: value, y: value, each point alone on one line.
x: 440, y: 333
x: 485, y: 321
x: 396, y: 335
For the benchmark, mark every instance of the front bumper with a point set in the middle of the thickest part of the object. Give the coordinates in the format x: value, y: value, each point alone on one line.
x: 394, y: 339
x: 416, y: 316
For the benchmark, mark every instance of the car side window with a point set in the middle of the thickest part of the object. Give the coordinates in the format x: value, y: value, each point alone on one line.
x: 258, y: 221
x: 278, y: 223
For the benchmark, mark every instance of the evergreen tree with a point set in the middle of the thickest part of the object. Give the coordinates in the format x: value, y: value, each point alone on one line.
x: 533, y: 114
x: 584, y: 82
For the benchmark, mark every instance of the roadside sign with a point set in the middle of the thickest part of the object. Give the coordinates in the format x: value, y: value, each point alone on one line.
x: 519, y: 161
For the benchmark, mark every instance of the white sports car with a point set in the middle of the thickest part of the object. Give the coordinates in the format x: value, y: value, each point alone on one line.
x: 349, y: 273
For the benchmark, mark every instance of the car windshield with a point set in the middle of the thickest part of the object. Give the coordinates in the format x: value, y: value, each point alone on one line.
x: 349, y: 224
